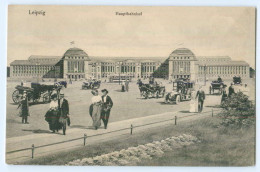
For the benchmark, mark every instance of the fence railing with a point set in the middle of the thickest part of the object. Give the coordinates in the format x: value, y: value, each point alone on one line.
x: 33, y: 147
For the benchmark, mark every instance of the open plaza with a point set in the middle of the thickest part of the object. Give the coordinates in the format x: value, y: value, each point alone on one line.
x: 127, y: 105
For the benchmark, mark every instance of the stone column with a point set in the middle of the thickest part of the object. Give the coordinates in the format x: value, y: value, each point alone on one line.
x: 11, y: 71
x: 65, y: 68
x: 87, y: 70
x: 247, y: 74
x: 138, y: 70
x: 194, y: 69
x: 170, y: 72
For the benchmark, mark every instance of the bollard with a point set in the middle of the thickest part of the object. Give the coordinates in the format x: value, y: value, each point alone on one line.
x: 32, y: 151
x: 132, y: 129
x: 212, y: 112
x: 85, y: 137
x: 175, y: 120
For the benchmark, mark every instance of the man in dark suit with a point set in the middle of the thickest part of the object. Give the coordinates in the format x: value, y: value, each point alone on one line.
x: 64, y: 112
x: 201, y: 98
x: 219, y: 79
x: 107, y: 105
x: 231, y: 90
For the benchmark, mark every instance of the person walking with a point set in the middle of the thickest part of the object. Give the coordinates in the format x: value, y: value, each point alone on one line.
x: 64, y: 118
x: 231, y: 90
x: 224, y: 95
x: 52, y: 115
x: 123, y: 86
x: 201, y: 97
x: 107, y: 105
x: 193, y: 102
x: 95, y: 109
x: 127, y: 85
x: 24, y: 108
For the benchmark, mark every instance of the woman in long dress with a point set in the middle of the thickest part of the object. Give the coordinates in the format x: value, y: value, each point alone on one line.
x: 52, y: 116
x: 193, y: 102
x: 95, y: 109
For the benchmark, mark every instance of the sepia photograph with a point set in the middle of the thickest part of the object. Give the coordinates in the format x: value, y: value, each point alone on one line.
x: 131, y: 86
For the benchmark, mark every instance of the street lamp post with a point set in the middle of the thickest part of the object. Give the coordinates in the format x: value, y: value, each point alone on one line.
x: 205, y: 70
x: 38, y: 71
x: 119, y: 72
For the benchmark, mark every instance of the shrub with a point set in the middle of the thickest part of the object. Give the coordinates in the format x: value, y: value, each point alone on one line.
x: 238, y: 111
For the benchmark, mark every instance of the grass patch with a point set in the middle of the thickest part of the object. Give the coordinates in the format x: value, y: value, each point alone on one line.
x: 219, y: 146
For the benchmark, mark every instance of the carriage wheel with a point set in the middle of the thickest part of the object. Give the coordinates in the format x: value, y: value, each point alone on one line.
x: 163, y: 93
x: 157, y: 94
x: 35, y: 100
x: 146, y: 95
x: 166, y: 100
x: 220, y: 91
x: 178, y: 100
x: 16, y: 96
x: 46, y: 98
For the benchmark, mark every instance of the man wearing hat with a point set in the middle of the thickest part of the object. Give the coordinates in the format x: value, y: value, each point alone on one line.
x: 64, y: 111
x: 231, y: 90
x: 24, y: 108
x: 201, y: 97
x: 107, y: 105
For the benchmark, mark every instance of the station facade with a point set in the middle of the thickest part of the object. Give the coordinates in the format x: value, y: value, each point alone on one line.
x: 181, y: 63
x: 184, y: 64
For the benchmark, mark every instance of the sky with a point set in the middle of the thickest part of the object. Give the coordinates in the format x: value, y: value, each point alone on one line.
x: 206, y: 31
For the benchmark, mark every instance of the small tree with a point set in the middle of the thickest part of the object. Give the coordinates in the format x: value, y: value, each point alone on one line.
x: 238, y: 110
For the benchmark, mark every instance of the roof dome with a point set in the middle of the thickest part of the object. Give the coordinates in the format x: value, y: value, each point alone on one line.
x: 182, y: 52
x: 75, y: 52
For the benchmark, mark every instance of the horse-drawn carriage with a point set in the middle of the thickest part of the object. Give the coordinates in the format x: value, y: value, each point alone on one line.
x: 92, y: 84
x: 181, y: 91
x: 35, y: 92
x: 149, y: 91
x: 62, y: 83
x: 237, y: 80
x: 216, y: 85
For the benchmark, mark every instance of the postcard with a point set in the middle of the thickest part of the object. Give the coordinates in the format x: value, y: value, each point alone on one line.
x: 131, y: 86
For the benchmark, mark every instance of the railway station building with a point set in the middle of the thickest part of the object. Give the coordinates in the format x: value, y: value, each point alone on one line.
x: 181, y: 63
x: 184, y: 64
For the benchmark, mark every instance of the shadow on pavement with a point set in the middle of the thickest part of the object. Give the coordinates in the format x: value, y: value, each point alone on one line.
x: 215, y: 106
x: 13, y: 121
x: 120, y: 91
x: 213, y: 94
x: 185, y: 111
x: 163, y: 103
x: 81, y: 126
x: 38, y: 131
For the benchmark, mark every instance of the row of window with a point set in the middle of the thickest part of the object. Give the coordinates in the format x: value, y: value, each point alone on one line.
x: 223, y: 70
x: 181, y: 58
x: 23, y: 67
x: 75, y: 66
x: 148, y: 68
x: 107, y: 69
x: 128, y: 64
x: 31, y: 71
x: 75, y: 57
x: 181, y: 67
x: 75, y: 76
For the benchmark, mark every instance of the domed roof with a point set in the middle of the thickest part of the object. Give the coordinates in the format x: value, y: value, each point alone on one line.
x: 75, y: 52
x: 182, y: 52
